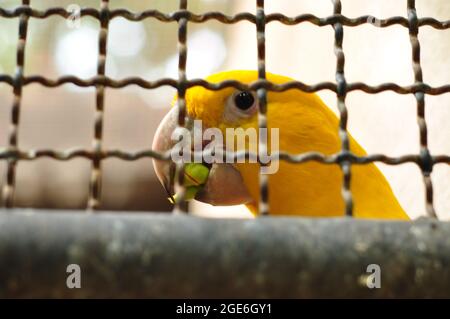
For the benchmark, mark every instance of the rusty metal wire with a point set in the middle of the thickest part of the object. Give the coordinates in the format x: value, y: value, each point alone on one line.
x: 183, y: 16
x: 180, y: 206
x: 227, y: 19
x: 426, y: 168
x: 96, y: 183
x: 117, y: 84
x: 8, y: 189
x: 341, y: 95
x: 262, y: 100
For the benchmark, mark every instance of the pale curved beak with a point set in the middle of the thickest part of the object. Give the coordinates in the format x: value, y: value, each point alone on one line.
x: 224, y: 186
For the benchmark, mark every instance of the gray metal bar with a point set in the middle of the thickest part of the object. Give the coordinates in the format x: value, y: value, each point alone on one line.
x: 158, y: 255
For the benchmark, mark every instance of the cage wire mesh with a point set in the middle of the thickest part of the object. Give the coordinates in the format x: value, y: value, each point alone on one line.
x: 12, y: 154
x: 293, y: 252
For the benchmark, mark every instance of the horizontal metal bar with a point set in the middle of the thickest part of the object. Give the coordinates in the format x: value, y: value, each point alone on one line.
x: 161, y: 255
x: 70, y: 154
x: 254, y: 86
x: 223, y: 18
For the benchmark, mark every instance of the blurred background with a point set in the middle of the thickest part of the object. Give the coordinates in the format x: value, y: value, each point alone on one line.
x: 62, y: 118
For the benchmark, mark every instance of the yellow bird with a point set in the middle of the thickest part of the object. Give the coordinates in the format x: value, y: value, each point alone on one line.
x: 304, y: 124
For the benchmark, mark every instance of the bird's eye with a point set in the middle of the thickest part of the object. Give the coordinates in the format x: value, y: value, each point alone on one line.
x: 244, y: 100
x: 240, y: 104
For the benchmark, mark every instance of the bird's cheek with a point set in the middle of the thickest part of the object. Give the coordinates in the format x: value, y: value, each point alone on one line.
x: 224, y: 187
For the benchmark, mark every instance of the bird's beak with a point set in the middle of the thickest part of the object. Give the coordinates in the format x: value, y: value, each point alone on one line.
x: 224, y: 186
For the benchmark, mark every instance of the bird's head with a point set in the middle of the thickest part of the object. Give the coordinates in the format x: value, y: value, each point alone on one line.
x: 229, y: 108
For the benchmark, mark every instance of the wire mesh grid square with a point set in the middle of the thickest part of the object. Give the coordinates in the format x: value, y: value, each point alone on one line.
x: 345, y: 158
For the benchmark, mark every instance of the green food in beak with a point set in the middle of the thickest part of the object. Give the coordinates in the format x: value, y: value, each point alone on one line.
x: 195, y: 177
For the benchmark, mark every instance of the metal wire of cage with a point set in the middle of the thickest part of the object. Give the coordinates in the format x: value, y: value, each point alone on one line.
x: 345, y: 158
x: 425, y: 161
